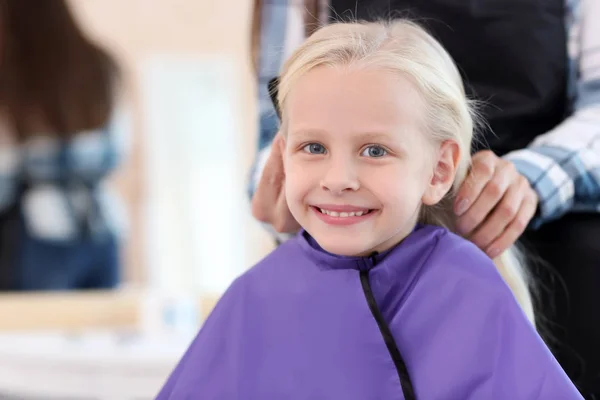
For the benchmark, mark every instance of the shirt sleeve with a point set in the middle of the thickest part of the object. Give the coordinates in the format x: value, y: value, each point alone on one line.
x: 281, y: 32
x: 563, y: 165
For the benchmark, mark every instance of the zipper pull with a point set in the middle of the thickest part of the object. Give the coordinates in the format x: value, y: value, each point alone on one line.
x: 367, y: 262
x: 373, y: 258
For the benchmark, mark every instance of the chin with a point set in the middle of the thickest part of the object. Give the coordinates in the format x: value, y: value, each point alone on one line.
x: 342, y: 246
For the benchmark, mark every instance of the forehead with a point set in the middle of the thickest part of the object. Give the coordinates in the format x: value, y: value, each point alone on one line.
x: 354, y: 100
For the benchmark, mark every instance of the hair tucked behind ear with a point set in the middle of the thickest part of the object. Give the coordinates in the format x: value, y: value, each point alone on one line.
x: 407, y: 49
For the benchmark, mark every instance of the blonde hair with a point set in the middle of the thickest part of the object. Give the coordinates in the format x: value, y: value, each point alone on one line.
x: 406, y: 48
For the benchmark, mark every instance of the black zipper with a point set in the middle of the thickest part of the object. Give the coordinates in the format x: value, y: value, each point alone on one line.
x: 407, y: 388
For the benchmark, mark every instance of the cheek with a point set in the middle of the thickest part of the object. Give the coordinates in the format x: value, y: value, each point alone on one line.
x: 297, y: 181
x: 398, y: 186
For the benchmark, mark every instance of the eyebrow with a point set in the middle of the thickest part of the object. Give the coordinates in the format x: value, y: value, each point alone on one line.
x: 366, y: 136
x: 309, y: 133
x: 373, y: 137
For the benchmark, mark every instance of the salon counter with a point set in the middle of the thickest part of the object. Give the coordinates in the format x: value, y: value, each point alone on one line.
x: 87, y: 345
x: 79, y: 310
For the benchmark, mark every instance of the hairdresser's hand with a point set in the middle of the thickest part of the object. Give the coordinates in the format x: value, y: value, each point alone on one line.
x: 495, y: 204
x: 268, y: 203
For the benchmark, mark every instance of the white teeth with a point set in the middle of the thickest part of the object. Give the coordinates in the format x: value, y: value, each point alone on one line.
x: 343, y: 214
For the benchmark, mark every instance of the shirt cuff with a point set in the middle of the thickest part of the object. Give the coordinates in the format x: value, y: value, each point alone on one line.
x: 553, y: 185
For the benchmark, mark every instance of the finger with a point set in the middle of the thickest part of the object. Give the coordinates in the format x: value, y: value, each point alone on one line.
x: 269, y: 186
x: 482, y: 169
x: 490, y: 196
x: 282, y: 220
x: 274, y: 202
x: 275, y: 171
x: 501, y: 215
x: 516, y: 228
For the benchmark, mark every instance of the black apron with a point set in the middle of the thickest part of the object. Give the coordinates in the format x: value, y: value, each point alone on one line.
x: 512, y: 54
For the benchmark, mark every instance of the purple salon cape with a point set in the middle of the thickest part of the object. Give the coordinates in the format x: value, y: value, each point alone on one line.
x: 306, y: 324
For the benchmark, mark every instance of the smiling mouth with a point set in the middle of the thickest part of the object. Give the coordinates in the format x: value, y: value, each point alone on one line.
x: 344, y: 214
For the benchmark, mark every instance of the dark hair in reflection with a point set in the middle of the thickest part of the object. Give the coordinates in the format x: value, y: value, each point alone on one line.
x: 53, y: 79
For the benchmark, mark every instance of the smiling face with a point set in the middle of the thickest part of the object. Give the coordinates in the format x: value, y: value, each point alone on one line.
x: 358, y: 164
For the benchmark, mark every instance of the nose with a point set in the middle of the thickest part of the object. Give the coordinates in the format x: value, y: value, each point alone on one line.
x: 340, y: 176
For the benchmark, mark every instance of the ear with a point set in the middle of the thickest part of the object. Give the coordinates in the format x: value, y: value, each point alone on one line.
x: 444, y: 172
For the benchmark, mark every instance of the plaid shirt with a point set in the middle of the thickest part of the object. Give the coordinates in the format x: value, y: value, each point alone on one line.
x: 563, y: 165
x: 59, y: 184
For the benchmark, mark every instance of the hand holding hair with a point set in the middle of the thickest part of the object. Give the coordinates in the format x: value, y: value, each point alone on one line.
x: 268, y: 203
x: 495, y: 204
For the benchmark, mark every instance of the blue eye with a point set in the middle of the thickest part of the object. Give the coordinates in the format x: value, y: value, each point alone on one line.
x: 314, y: 148
x: 374, y: 152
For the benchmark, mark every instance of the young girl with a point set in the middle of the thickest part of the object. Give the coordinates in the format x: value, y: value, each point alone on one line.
x: 375, y: 298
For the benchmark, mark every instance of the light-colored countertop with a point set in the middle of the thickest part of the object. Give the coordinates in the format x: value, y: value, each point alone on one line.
x: 79, y: 310
x: 87, y: 345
